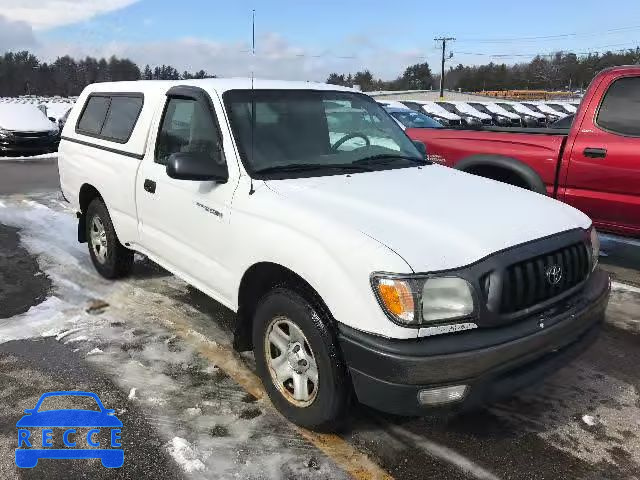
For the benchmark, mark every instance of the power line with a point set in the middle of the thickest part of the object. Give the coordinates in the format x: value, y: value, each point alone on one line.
x: 566, y: 52
x: 549, y: 37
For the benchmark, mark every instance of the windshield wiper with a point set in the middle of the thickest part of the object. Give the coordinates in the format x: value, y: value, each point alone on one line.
x: 385, y: 157
x: 302, y: 167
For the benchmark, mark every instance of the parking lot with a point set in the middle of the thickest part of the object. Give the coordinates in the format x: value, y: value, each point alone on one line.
x: 159, y: 353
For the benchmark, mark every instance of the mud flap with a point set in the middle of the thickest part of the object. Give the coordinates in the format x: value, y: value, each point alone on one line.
x: 82, y: 231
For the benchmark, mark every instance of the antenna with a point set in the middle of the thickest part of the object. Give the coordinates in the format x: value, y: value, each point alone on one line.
x: 253, y: 100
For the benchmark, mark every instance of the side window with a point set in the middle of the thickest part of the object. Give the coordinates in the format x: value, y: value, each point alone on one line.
x: 93, y: 115
x: 121, y: 118
x: 187, y: 126
x: 620, y: 108
x: 110, y: 116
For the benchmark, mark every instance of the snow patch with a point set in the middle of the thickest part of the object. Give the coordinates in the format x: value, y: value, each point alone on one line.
x: 623, y: 287
x: 589, y: 420
x: 185, y: 455
x: 61, y: 335
x: 132, y: 394
x: 43, y: 320
x: 95, y: 351
x: 79, y: 338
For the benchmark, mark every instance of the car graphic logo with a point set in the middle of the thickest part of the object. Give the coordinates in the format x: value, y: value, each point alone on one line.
x: 553, y: 274
x: 32, y: 447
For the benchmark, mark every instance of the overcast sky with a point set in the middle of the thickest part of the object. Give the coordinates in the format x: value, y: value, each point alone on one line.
x: 308, y: 39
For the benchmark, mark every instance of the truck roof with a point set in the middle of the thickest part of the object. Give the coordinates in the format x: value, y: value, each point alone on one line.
x: 217, y: 84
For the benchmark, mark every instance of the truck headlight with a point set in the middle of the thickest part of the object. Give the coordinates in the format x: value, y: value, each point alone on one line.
x: 594, y: 241
x: 416, y: 301
x: 446, y: 298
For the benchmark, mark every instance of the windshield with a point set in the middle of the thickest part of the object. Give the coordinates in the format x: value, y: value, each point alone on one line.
x: 416, y: 120
x: 315, y: 133
x: 531, y: 106
x: 65, y: 402
x: 556, y: 107
x: 447, y: 106
x: 507, y: 107
x: 480, y: 108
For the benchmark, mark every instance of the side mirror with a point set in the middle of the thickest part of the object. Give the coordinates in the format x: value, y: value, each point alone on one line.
x: 196, y: 166
x: 422, y: 148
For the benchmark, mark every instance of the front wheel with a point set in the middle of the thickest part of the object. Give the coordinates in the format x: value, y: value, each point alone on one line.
x: 298, y: 360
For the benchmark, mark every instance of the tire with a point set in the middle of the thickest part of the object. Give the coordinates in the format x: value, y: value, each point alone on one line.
x: 327, y: 403
x: 110, y: 258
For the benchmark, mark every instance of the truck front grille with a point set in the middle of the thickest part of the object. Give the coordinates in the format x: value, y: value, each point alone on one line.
x: 535, y: 280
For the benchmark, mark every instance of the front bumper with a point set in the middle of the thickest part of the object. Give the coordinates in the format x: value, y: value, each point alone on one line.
x: 29, y: 145
x: 388, y: 374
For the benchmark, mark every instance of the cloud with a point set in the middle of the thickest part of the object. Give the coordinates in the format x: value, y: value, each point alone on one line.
x: 43, y: 14
x: 276, y: 57
x: 15, y: 35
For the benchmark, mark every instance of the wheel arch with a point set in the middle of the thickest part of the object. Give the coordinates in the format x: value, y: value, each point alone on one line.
x: 493, y: 166
x: 86, y: 195
x: 256, y: 281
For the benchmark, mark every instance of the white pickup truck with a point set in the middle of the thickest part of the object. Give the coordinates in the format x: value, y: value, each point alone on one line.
x: 357, y: 268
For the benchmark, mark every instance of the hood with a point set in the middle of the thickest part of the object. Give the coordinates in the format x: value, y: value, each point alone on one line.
x: 527, y: 111
x: 434, y: 217
x: 57, y: 110
x: 469, y: 110
x: 22, y: 117
x: 502, y: 112
x: 550, y: 111
x: 438, y: 110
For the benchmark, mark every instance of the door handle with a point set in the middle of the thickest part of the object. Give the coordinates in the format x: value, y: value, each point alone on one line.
x: 595, y: 152
x: 150, y: 186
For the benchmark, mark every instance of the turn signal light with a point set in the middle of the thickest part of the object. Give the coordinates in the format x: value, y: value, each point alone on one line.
x: 397, y: 298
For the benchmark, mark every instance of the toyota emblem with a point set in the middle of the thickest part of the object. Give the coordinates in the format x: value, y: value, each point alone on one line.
x: 554, y: 274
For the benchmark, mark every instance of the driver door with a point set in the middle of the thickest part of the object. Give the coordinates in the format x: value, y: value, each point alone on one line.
x: 185, y: 223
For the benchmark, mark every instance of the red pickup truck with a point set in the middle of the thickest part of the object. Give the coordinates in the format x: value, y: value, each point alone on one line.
x: 593, y: 166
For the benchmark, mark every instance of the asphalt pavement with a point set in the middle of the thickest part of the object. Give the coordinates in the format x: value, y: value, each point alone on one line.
x: 154, y: 349
x: 31, y: 176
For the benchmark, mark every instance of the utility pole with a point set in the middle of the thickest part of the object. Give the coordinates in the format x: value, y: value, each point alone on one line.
x: 444, y: 41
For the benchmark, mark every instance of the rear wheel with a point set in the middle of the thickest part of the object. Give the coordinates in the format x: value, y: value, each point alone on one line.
x: 298, y: 360
x: 110, y: 258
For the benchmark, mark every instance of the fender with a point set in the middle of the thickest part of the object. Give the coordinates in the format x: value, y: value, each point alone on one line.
x: 524, y: 171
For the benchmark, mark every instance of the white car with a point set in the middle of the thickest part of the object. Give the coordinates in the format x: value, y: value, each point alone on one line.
x: 552, y: 114
x: 501, y: 116
x: 391, y: 103
x: 471, y: 116
x: 25, y: 130
x: 408, y: 118
x: 357, y: 268
x: 530, y: 116
x: 562, y: 107
x: 436, y: 112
